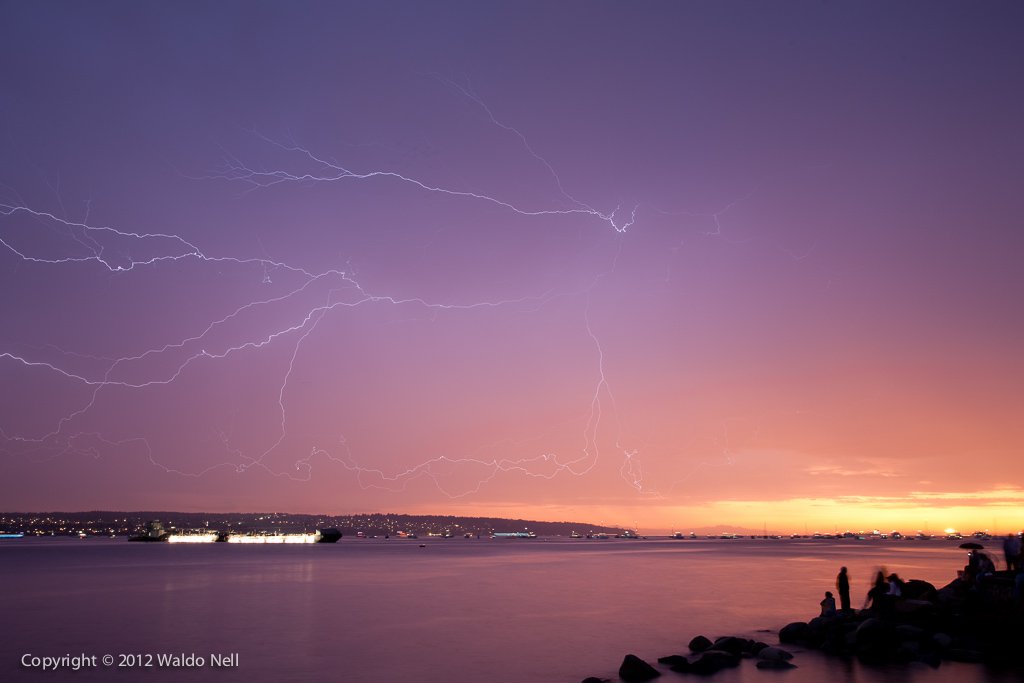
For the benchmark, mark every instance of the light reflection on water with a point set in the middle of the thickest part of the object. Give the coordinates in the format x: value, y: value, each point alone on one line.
x: 380, y: 611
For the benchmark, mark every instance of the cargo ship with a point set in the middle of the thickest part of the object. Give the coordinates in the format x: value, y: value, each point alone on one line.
x: 155, y: 532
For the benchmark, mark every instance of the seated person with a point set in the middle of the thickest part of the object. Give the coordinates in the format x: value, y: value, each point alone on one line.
x: 828, y: 605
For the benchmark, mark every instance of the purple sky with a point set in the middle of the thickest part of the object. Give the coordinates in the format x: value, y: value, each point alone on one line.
x: 671, y: 264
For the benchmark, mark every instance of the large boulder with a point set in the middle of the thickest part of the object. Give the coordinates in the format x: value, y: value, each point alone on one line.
x: 942, y: 641
x: 712, y: 661
x: 682, y: 666
x: 874, y: 641
x: 731, y: 644
x: 965, y: 655
x: 672, y: 660
x: 635, y: 669
x: 952, y: 593
x: 908, y: 651
x: 822, y: 623
x: 915, y: 609
x: 821, y: 629
x: 699, y: 644
x: 931, y: 658
x: 915, y: 589
x: 794, y: 632
x: 905, y: 632
x: 774, y: 654
x: 775, y: 664
x: 870, y: 632
x: 836, y: 643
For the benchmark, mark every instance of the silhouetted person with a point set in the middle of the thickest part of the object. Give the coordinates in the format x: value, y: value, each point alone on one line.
x: 1011, y: 549
x: 985, y: 564
x: 895, y: 586
x: 843, y: 586
x: 978, y: 565
x: 828, y: 605
x: 971, y: 569
x: 878, y: 599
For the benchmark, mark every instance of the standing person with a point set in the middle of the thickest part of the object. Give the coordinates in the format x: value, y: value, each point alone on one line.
x: 843, y: 586
x: 1011, y: 549
x: 878, y: 600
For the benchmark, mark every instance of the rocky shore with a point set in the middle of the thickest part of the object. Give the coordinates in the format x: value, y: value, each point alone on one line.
x: 964, y: 621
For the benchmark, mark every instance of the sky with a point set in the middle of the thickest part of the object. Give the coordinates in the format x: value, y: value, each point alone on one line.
x: 667, y: 265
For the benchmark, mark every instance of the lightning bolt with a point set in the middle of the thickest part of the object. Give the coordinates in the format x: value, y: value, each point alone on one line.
x: 317, y: 295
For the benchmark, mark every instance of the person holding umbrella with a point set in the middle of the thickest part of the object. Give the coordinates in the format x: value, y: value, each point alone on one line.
x: 978, y: 563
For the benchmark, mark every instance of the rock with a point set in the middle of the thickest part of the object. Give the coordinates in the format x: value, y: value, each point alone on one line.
x: 594, y: 679
x: 791, y: 633
x: 871, y: 631
x: 942, y: 641
x: 850, y: 639
x: 756, y: 646
x: 915, y: 589
x: 712, y: 661
x: 730, y: 644
x: 635, y: 669
x: 820, y: 629
x: 920, y: 608
x: 699, y: 644
x: 909, y: 632
x: 774, y: 664
x: 672, y: 660
x: 908, y: 651
x: 873, y: 641
x: 682, y: 666
x: 958, y: 654
x: 821, y: 623
x: 775, y: 654
x: 951, y: 593
x: 836, y: 644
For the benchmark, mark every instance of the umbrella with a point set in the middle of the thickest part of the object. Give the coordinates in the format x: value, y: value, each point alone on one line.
x: 971, y: 545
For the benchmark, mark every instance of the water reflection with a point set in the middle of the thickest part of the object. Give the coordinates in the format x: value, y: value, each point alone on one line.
x: 455, y: 611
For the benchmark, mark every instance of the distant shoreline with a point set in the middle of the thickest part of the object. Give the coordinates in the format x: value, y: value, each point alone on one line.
x: 117, y: 523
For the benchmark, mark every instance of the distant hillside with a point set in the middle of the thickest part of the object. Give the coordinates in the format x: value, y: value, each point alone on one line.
x: 101, y: 522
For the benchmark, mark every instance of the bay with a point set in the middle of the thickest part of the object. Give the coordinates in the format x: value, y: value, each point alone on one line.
x: 383, y: 611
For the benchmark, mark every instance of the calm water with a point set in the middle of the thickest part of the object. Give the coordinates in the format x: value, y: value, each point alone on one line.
x: 379, y: 611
